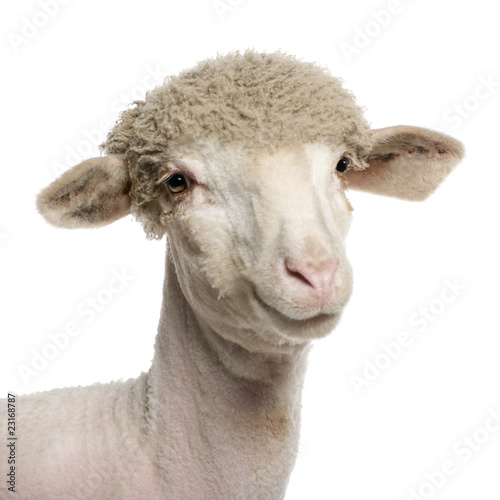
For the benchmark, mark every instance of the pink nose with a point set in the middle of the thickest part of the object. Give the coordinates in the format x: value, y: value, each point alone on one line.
x: 318, y: 280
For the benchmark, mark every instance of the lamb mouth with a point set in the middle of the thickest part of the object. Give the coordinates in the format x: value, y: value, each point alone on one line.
x: 282, y: 318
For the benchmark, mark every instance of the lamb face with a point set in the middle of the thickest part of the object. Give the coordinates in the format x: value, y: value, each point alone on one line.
x: 258, y: 240
x: 257, y: 234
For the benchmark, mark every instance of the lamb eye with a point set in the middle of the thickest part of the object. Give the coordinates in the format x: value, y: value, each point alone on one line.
x: 343, y: 164
x: 177, y: 183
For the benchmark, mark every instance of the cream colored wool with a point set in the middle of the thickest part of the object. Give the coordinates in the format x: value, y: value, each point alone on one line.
x: 257, y: 101
x: 256, y: 268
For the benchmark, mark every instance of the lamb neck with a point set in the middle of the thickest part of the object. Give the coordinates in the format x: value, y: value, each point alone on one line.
x: 217, y: 434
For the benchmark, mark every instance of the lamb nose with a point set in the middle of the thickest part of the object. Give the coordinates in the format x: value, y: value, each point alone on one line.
x: 319, y: 279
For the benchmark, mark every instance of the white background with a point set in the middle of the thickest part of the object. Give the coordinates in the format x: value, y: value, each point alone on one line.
x: 91, y: 58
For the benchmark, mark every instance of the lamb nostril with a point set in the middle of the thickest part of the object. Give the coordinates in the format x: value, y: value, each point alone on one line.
x: 320, y: 278
x: 299, y: 276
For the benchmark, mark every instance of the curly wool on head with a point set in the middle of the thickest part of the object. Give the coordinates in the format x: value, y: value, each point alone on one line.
x: 258, y: 102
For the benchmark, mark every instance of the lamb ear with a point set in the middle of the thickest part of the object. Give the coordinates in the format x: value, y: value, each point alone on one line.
x: 407, y: 162
x: 92, y: 194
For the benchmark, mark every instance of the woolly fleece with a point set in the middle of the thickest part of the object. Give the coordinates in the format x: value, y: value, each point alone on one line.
x: 256, y: 101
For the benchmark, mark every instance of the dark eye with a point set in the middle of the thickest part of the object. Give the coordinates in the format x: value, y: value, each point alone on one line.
x: 177, y: 183
x: 343, y: 164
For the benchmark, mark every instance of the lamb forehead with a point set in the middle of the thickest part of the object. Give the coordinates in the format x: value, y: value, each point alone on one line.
x: 259, y: 101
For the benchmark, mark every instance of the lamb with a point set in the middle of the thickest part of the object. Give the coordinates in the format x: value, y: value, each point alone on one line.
x: 243, y: 161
